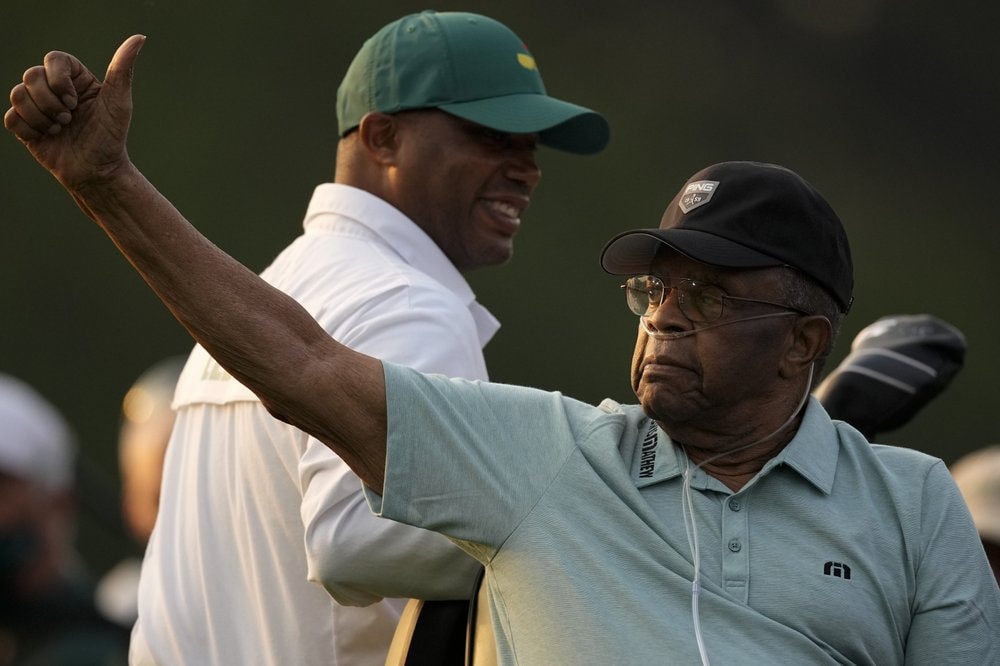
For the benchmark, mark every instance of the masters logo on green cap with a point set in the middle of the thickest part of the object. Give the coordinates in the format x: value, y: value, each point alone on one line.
x: 470, y: 66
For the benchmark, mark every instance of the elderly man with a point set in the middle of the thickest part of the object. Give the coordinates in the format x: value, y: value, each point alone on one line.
x: 725, y: 518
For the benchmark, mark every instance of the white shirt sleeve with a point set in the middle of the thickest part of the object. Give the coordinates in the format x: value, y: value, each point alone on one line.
x: 356, y: 556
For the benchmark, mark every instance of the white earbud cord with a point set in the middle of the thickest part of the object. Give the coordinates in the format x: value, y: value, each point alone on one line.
x: 691, y: 529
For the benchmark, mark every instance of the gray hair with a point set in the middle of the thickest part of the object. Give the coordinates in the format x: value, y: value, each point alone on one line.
x: 803, y: 293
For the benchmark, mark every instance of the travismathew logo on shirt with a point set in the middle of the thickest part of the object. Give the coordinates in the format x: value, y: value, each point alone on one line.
x: 647, y: 459
x: 837, y: 570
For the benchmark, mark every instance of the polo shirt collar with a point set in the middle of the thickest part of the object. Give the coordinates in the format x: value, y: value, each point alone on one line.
x: 813, y: 452
x: 655, y: 459
x: 402, y: 235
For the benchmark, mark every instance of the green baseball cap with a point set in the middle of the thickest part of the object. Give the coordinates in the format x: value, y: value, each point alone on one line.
x: 470, y: 66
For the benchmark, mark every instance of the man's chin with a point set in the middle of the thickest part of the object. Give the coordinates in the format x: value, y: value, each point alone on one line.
x: 671, y: 409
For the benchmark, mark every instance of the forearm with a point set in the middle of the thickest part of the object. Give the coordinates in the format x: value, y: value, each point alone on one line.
x: 260, y: 335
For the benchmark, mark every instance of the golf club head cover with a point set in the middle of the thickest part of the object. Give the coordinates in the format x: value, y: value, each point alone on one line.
x: 897, y: 364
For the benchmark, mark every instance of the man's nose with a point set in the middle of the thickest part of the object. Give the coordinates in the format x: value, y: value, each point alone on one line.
x: 523, y: 168
x: 667, y: 316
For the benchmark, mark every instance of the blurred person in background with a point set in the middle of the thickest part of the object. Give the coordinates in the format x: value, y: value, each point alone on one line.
x: 47, y: 611
x: 978, y: 477
x: 147, y: 420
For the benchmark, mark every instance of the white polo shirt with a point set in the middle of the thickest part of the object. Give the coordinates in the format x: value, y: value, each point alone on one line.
x: 253, y: 509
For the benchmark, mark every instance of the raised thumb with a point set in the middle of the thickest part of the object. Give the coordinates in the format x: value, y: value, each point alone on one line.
x: 118, y: 79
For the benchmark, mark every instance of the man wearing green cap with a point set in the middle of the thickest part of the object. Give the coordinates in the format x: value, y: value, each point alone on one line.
x: 440, y: 115
x: 725, y: 518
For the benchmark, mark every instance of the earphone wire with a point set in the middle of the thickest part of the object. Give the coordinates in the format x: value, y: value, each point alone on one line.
x: 691, y: 527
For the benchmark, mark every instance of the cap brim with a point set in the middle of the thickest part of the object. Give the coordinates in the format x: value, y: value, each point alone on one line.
x: 632, y: 252
x: 560, y: 125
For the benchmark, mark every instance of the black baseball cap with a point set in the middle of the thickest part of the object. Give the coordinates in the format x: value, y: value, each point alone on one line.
x: 745, y: 215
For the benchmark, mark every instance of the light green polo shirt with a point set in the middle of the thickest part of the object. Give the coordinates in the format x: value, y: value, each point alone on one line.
x: 836, y: 552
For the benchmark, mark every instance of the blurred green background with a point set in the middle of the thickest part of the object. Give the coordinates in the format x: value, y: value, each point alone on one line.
x: 890, y: 108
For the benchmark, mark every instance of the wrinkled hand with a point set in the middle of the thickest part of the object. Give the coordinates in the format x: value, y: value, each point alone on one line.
x: 74, y: 125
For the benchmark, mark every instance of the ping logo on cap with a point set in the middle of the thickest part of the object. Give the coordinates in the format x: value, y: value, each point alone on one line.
x: 697, y: 194
x: 526, y: 61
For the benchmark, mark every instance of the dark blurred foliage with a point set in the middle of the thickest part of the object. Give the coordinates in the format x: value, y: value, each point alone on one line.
x: 888, y: 107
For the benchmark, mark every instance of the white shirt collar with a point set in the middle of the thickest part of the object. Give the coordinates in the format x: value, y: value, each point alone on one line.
x: 331, y: 201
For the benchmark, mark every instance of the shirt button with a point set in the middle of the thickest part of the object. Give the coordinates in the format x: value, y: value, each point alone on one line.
x: 734, y: 505
x: 735, y: 546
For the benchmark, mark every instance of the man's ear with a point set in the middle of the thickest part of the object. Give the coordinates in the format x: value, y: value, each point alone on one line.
x: 811, y: 337
x: 379, y: 135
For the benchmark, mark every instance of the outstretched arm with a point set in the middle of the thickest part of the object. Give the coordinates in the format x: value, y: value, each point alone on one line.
x: 76, y: 127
